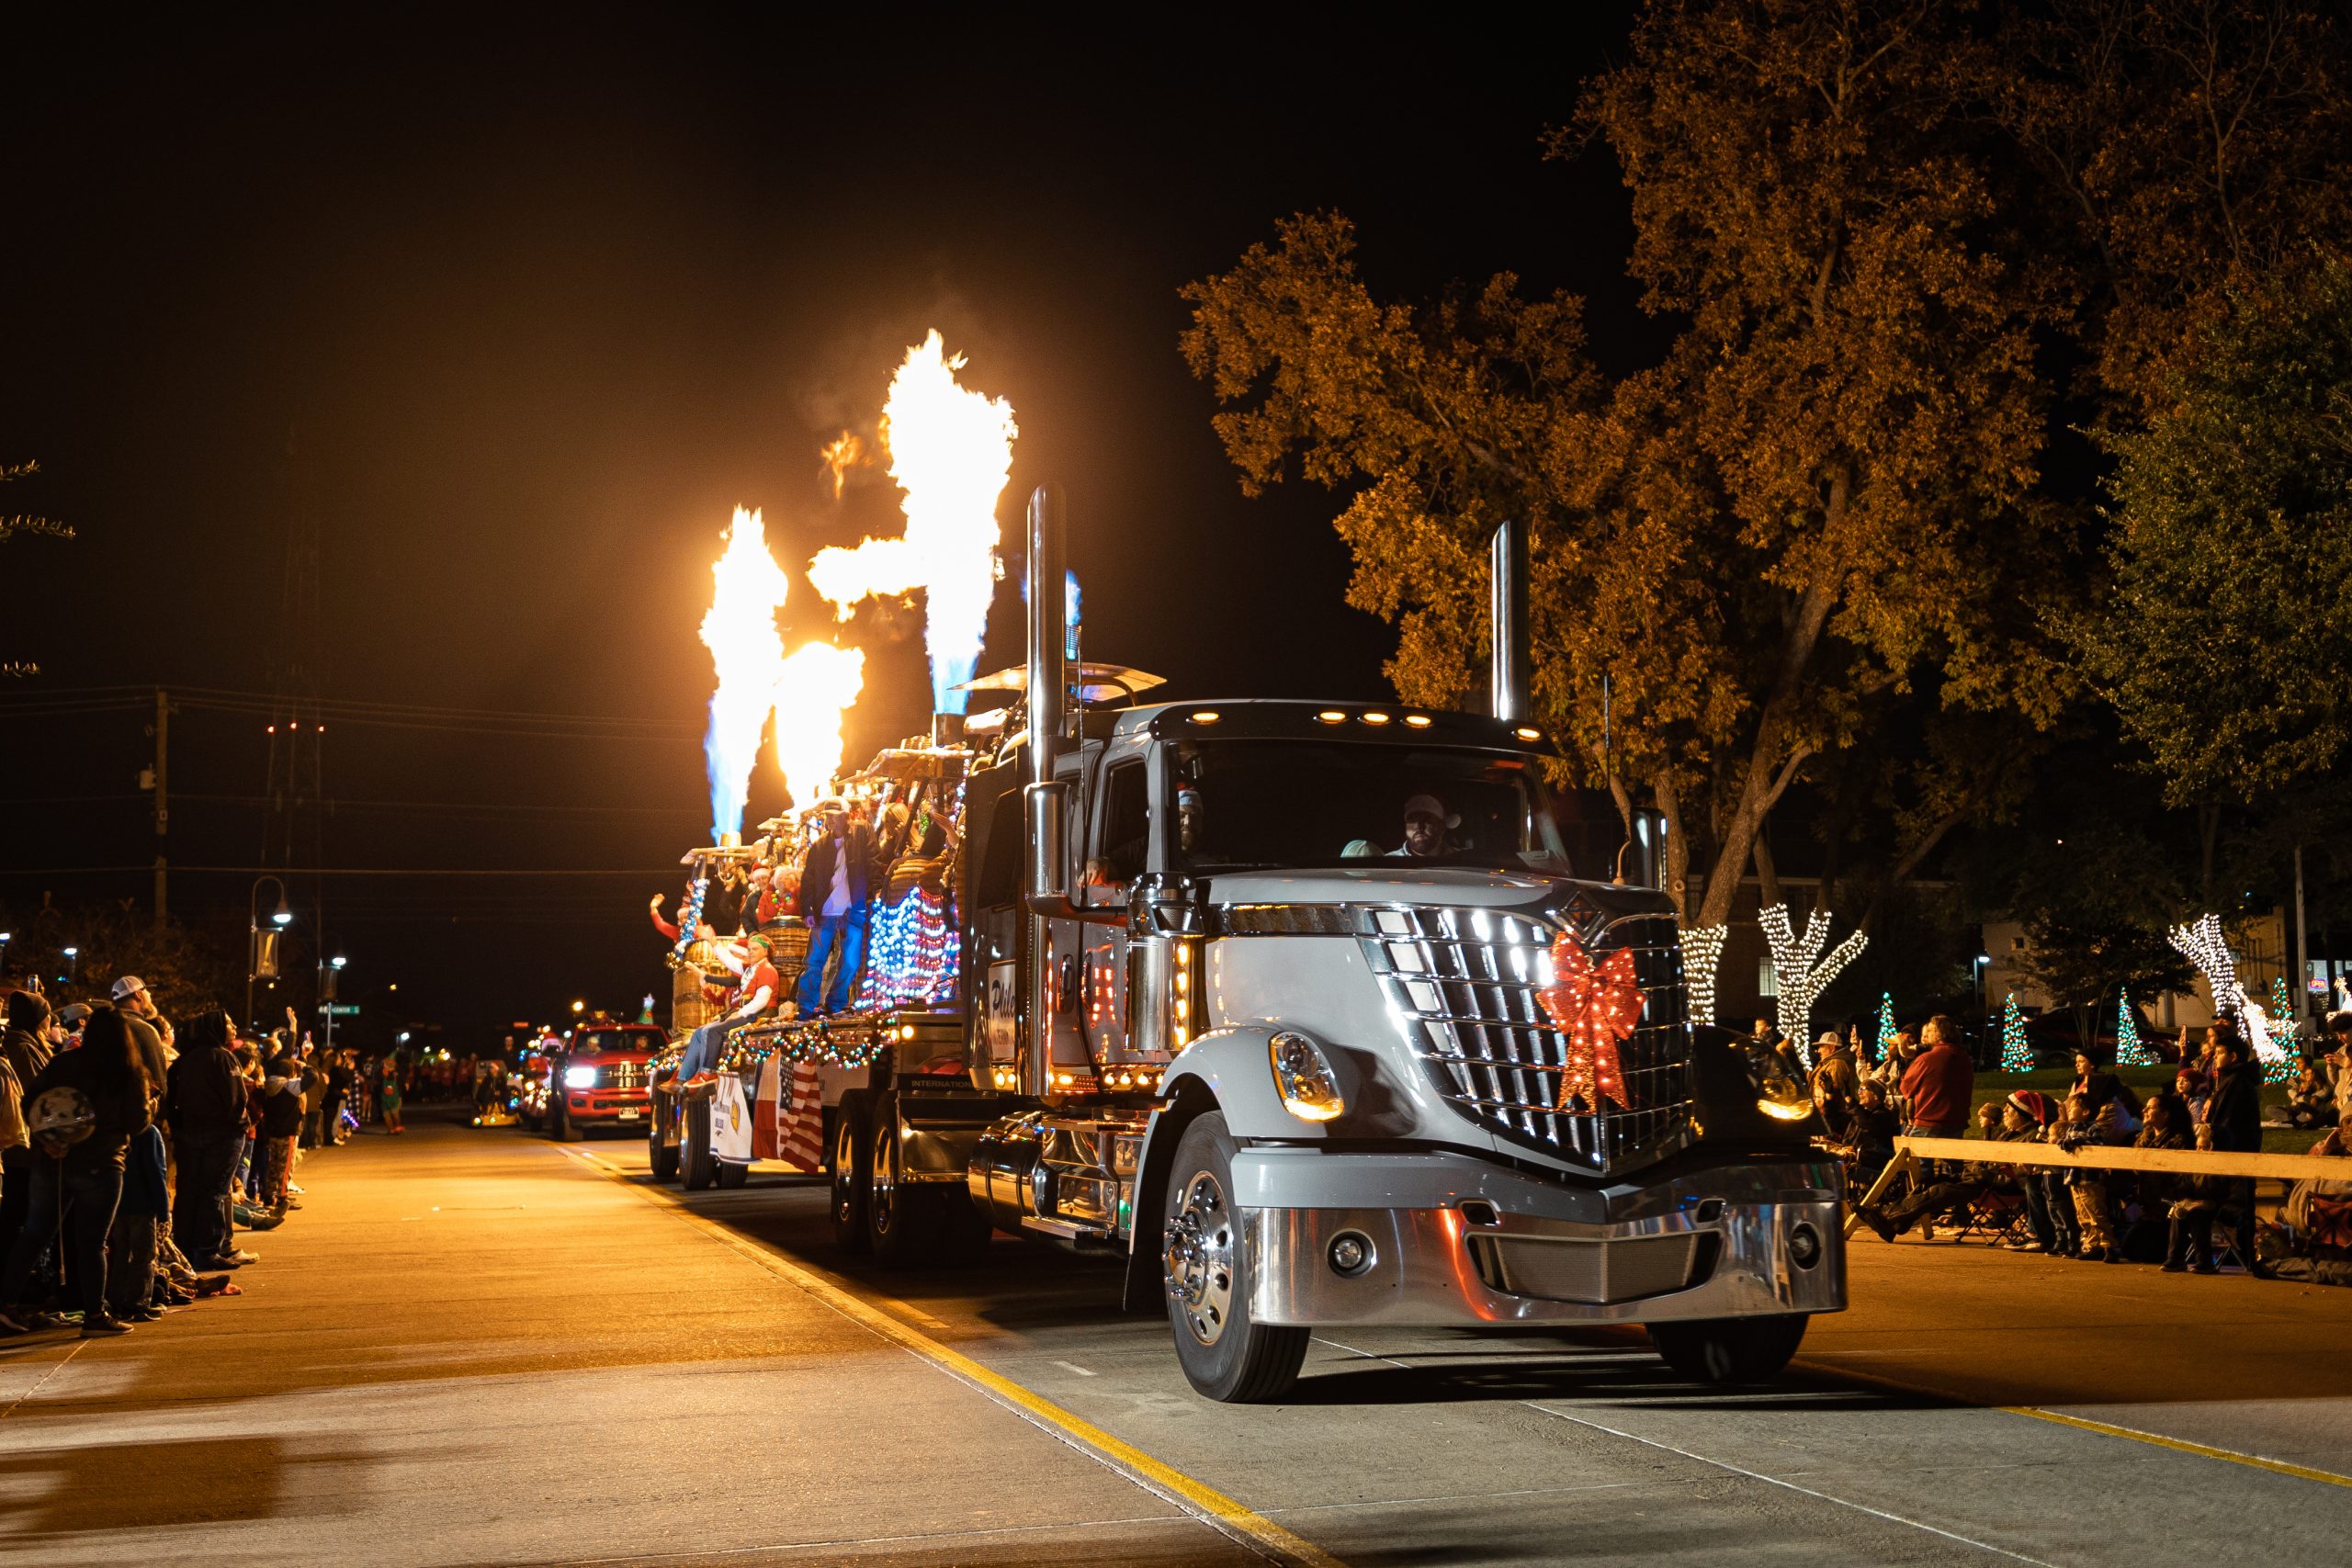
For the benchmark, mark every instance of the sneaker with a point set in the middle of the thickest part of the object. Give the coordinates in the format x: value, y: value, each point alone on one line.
x: 293, y: 1187
x: 2173, y: 1267
x: 2026, y: 1246
x: 103, y: 1327
x: 2204, y: 1269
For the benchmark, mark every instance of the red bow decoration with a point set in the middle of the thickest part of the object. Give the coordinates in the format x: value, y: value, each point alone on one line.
x: 1597, y: 1006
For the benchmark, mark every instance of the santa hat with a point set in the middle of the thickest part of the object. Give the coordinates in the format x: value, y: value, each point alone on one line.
x: 2033, y: 1105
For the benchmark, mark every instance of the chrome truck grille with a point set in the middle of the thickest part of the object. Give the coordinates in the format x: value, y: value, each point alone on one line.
x: 1465, y: 983
x: 622, y: 1075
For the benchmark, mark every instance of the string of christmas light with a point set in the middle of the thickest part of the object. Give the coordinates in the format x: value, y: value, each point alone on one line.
x: 1702, y: 953
x: 910, y: 951
x: 2285, y: 1030
x: 1796, y: 975
x: 2017, y: 1056
x: 2204, y: 944
x: 1877, y: 1051
x: 2131, y: 1051
x: 690, y: 918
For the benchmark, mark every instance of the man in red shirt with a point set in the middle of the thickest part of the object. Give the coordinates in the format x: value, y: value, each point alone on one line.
x: 1940, y: 1083
x: 757, y: 992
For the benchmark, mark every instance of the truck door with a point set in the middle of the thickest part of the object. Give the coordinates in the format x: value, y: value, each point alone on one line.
x: 1118, y: 850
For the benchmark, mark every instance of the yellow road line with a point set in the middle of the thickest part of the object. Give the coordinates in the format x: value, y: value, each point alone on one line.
x: 2105, y: 1428
x: 1194, y: 1497
x: 2301, y: 1472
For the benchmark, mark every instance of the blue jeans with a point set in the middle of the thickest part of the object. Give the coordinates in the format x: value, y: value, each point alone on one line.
x: 847, y: 933
x: 702, y: 1050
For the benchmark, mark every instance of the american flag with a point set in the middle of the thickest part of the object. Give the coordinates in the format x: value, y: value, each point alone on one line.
x: 800, y: 1127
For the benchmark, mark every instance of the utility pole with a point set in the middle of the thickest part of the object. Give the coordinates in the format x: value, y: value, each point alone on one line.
x: 2299, y: 991
x: 163, y: 801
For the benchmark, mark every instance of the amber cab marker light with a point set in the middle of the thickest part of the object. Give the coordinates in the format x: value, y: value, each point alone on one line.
x: 1206, y: 716
x: 1376, y: 718
x: 1418, y: 720
x: 1526, y: 734
x: 1330, y: 715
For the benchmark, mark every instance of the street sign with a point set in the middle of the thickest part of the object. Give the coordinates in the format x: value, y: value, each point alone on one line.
x: 339, y: 1009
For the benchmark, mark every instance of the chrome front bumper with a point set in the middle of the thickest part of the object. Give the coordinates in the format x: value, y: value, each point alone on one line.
x: 1448, y: 1239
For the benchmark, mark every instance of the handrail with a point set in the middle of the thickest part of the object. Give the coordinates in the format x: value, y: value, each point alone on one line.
x: 2124, y: 1157
x: 2242, y: 1165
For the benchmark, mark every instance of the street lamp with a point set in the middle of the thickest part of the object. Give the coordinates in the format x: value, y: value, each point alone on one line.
x: 579, y: 1008
x: 72, y: 964
x: 262, y: 955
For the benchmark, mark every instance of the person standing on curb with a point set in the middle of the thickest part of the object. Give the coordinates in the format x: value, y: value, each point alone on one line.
x: 85, y: 1107
x: 206, y: 1103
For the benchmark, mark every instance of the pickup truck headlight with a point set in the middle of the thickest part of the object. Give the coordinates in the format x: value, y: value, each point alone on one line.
x: 1303, y: 1078
x: 579, y: 1078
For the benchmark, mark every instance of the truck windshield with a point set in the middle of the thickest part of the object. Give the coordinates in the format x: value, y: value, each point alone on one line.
x: 615, y: 1040
x: 1251, y: 804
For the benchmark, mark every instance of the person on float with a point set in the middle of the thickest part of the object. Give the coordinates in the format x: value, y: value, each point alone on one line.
x: 832, y: 903
x: 759, y: 990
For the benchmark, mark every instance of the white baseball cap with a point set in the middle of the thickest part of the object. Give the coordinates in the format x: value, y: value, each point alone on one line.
x: 130, y: 985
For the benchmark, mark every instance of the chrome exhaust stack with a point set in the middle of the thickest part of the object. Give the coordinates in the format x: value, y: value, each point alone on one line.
x: 1044, y: 808
x: 1506, y: 621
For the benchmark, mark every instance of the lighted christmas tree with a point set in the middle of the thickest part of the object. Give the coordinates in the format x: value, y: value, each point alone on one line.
x: 2017, y: 1056
x: 2131, y: 1051
x: 1885, y: 1027
x: 2284, y: 1029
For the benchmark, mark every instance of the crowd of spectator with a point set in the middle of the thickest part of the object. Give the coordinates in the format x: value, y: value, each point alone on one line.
x: 1926, y: 1085
x: 133, y: 1151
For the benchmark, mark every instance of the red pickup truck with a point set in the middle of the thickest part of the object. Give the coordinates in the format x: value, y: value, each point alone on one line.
x: 598, y: 1078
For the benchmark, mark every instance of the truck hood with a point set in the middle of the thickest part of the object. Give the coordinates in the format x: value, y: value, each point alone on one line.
x: 1383, y: 882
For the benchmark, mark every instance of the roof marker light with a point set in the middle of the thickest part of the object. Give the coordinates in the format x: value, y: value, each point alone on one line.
x: 1418, y: 720
x: 1206, y: 716
x: 1330, y: 715
x: 1376, y: 718
x: 1526, y: 734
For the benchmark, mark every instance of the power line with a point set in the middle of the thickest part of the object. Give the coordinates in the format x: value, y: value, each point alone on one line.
x: 332, y: 871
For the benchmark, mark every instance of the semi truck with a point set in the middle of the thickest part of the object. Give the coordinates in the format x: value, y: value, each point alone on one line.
x: 1305, y: 1014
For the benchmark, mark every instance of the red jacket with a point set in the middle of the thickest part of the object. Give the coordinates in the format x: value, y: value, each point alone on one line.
x: 1940, y: 1083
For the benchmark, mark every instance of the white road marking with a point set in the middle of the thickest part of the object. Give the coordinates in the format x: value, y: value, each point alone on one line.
x: 1074, y: 1367
x: 1723, y: 1465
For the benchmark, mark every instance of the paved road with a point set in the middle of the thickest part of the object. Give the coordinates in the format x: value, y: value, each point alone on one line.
x: 482, y: 1347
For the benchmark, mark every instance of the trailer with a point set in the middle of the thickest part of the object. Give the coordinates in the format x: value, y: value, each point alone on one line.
x: 1190, y: 1002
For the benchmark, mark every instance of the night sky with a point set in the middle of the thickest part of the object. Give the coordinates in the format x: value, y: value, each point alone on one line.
x: 518, y: 306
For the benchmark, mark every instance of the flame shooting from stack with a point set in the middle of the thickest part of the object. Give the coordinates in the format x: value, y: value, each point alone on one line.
x: 951, y: 453
x: 806, y: 694
x: 748, y: 589
x: 818, y: 683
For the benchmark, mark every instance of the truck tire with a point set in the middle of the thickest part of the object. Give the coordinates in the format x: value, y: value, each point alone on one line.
x: 660, y: 1158
x: 1729, y: 1349
x: 559, y: 1125
x: 849, y: 1152
x: 732, y: 1173
x: 902, y: 1217
x: 1204, y: 1265
x: 696, y: 1168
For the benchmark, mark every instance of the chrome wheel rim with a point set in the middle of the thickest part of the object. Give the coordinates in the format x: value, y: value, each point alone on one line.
x: 1198, y: 1263
x: 883, y: 1192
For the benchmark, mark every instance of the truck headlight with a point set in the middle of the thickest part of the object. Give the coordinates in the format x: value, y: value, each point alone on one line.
x: 579, y: 1078
x: 1783, y: 1099
x: 1303, y: 1078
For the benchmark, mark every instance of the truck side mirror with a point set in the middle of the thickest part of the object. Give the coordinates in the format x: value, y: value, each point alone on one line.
x: 1642, y: 862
